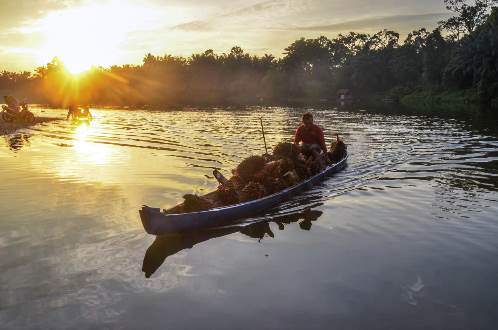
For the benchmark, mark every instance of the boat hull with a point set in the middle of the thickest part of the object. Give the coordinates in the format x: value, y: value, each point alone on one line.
x: 156, y: 222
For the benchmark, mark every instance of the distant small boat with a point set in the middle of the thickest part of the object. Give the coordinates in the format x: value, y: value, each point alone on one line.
x: 82, y: 119
x: 157, y: 222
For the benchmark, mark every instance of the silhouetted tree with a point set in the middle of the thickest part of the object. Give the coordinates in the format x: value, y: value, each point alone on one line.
x: 470, y: 14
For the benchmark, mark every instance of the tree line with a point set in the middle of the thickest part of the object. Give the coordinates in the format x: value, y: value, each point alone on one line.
x: 460, y: 54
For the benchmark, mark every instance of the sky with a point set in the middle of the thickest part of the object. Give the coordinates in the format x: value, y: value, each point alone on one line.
x: 106, y: 32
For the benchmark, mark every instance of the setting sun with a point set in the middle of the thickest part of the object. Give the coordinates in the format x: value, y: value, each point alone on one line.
x: 89, y: 36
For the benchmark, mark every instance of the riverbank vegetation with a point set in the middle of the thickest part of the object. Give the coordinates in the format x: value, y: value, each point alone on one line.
x: 454, y: 65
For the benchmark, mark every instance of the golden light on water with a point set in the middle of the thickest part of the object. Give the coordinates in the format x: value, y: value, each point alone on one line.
x: 89, y: 152
x: 84, y: 158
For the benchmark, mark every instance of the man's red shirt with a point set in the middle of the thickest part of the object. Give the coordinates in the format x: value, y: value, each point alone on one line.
x: 309, y: 135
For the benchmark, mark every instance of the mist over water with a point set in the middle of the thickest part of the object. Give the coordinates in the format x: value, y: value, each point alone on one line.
x: 405, y: 237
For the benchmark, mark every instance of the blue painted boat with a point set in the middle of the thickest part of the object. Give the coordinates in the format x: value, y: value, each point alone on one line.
x: 157, y: 222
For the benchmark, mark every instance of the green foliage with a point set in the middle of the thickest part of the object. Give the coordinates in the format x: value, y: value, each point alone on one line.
x: 444, y: 103
x: 474, y: 61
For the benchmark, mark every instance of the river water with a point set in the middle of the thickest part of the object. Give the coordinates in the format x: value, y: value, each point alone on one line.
x: 406, y: 237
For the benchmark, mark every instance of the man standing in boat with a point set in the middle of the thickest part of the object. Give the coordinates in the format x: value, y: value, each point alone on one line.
x: 311, y: 136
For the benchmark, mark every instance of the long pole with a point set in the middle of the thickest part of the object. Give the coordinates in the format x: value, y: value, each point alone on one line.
x: 263, y: 130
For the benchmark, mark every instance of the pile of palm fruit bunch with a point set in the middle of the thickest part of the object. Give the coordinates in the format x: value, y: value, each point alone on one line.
x: 259, y: 176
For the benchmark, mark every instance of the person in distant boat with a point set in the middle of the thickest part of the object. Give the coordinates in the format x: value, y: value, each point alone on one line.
x: 72, y: 112
x: 12, y: 104
x: 311, y: 136
x: 85, y: 113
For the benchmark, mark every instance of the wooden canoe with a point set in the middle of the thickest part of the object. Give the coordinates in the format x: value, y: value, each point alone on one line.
x: 157, y: 222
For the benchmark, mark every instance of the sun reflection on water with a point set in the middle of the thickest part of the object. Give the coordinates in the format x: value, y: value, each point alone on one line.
x: 88, y: 151
x: 89, y: 159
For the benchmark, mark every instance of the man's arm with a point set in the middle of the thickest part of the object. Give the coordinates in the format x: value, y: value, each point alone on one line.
x: 297, y: 136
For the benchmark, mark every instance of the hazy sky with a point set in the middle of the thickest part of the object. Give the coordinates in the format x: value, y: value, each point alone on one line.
x: 110, y: 31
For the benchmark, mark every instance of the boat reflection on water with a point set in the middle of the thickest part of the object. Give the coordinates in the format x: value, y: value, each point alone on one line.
x: 165, y: 246
x: 17, y: 141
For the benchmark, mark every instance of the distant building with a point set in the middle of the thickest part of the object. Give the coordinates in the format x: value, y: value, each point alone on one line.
x: 344, y: 97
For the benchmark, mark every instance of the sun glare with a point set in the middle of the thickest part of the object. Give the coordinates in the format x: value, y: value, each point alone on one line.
x: 94, y: 153
x: 91, y: 35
